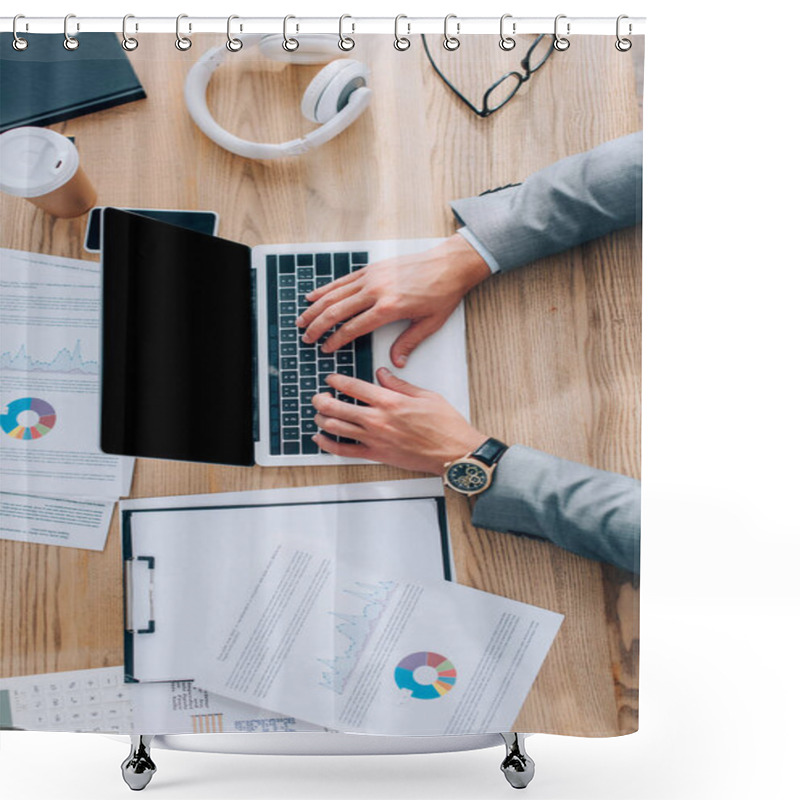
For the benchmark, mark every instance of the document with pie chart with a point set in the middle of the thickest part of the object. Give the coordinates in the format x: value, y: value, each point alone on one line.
x: 49, y: 380
x: 334, y: 643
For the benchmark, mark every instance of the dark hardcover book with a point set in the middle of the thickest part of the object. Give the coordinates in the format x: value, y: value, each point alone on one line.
x: 45, y: 83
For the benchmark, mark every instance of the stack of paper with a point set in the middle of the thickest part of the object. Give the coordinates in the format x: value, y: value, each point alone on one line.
x: 58, y: 487
x: 326, y: 604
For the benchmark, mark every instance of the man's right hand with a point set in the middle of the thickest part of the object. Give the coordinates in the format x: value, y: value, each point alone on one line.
x: 424, y: 288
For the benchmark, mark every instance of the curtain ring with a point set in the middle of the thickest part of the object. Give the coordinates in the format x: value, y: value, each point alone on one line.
x: 234, y: 45
x: 623, y: 45
x: 182, y: 42
x: 507, y: 42
x: 289, y: 44
x: 561, y: 43
x: 451, y: 42
x: 70, y: 42
x: 18, y: 43
x: 346, y: 43
x: 401, y: 42
x: 128, y: 42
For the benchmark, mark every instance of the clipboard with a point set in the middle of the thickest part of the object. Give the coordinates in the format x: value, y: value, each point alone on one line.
x: 189, y: 562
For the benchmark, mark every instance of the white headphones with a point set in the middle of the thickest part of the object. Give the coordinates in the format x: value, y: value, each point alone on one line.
x: 335, y: 98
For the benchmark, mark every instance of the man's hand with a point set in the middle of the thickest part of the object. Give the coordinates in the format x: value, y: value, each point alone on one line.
x: 403, y: 425
x: 424, y: 288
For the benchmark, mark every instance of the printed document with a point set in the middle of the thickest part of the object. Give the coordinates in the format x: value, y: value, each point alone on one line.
x: 67, y: 521
x: 183, y: 707
x: 49, y: 380
x: 357, y: 651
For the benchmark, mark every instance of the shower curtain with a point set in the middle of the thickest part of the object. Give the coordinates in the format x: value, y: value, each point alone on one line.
x: 488, y: 201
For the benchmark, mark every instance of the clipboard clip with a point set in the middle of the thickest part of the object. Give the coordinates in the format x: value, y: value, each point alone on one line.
x: 133, y: 580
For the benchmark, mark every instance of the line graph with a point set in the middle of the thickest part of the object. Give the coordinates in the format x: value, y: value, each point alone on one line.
x: 65, y: 360
x: 355, y: 630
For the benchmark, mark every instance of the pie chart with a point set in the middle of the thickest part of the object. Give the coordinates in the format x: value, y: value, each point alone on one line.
x: 28, y: 418
x: 426, y: 675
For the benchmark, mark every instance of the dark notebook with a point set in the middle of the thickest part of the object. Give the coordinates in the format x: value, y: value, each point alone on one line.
x: 45, y: 83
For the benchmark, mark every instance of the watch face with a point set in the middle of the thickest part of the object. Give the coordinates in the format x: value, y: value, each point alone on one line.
x: 466, y: 477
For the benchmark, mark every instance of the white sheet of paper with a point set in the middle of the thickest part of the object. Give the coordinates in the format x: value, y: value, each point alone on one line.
x: 354, y: 648
x: 207, y: 556
x: 80, y: 522
x: 50, y: 378
x: 183, y: 707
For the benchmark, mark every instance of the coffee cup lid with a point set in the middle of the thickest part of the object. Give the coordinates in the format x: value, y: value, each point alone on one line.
x: 35, y: 161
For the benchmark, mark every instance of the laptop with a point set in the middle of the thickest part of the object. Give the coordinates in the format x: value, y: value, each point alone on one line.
x: 201, y: 358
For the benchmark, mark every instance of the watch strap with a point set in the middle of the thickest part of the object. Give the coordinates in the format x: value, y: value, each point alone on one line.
x: 490, y: 451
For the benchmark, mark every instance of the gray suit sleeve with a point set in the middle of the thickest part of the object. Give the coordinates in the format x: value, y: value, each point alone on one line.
x: 565, y: 204
x: 590, y: 512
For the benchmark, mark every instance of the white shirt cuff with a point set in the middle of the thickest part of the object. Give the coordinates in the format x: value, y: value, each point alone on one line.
x: 490, y: 260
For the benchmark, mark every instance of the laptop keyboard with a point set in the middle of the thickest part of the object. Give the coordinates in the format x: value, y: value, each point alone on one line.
x: 297, y: 370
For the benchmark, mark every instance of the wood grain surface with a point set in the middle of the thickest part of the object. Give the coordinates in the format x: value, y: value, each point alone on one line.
x: 554, y: 349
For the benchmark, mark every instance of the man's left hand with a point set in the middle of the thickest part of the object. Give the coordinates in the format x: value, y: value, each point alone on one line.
x: 402, y: 424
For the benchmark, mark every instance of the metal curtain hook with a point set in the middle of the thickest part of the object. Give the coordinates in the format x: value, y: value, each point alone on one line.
x: 623, y: 45
x: 401, y: 42
x: 128, y: 42
x: 289, y: 44
x: 18, y: 43
x: 346, y: 42
x: 234, y: 45
x: 182, y: 42
x: 451, y: 42
x: 561, y: 43
x: 507, y: 42
x: 70, y: 42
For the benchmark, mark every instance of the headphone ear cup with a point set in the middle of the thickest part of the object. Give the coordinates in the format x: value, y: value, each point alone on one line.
x: 328, y: 92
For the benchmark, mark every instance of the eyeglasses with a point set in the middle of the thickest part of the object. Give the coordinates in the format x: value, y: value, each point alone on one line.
x: 503, y: 89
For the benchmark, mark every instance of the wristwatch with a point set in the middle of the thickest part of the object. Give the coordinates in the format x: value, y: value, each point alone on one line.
x: 473, y: 473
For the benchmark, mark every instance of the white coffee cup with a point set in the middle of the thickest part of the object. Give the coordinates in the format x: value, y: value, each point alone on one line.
x: 44, y: 167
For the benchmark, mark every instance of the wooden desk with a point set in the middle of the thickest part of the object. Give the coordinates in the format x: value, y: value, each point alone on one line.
x: 554, y: 349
